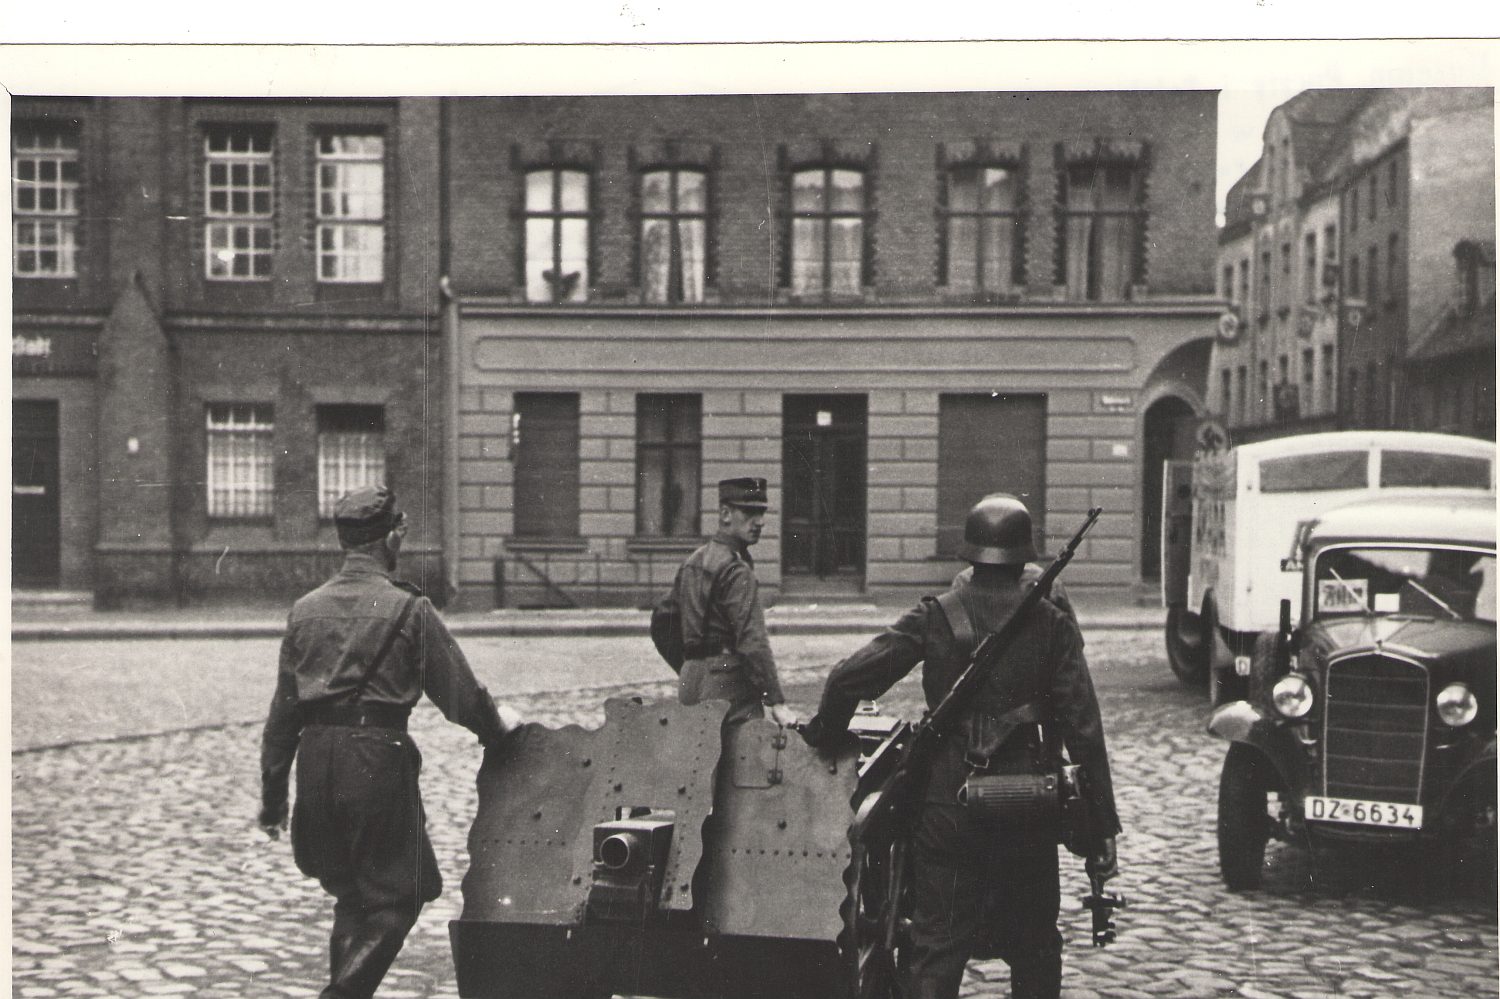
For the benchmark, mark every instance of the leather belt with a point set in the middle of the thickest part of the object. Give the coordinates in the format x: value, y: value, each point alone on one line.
x: 357, y: 715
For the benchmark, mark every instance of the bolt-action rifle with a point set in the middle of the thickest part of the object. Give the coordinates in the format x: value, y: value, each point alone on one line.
x: 888, y: 809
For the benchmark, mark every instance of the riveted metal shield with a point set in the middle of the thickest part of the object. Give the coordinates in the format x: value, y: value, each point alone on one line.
x: 542, y: 792
x: 776, y: 861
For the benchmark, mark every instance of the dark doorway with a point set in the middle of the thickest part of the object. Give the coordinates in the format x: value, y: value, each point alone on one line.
x: 1169, y: 427
x: 823, y: 469
x: 35, y: 508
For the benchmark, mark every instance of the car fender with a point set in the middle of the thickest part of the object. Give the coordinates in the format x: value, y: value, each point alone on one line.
x: 1243, y: 722
x: 1478, y: 761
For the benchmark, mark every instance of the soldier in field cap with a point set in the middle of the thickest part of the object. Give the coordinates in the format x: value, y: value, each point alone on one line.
x: 727, y: 654
x: 359, y: 652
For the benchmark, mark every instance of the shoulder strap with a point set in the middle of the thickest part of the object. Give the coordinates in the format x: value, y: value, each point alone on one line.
x: 958, y: 619
x: 385, y: 644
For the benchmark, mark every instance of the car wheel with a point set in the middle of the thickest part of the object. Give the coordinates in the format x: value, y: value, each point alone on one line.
x: 1244, y: 826
x: 1187, y: 645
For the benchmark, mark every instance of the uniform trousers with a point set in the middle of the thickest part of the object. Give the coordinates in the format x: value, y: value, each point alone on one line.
x: 980, y: 892
x: 359, y: 828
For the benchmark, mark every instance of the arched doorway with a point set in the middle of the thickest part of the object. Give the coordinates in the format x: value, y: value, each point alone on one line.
x: 1167, y: 435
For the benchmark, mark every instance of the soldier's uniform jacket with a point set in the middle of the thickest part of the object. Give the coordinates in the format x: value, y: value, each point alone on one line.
x: 726, y: 649
x: 1044, y: 666
x: 332, y: 635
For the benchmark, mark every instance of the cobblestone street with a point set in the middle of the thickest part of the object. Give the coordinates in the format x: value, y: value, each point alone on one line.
x: 137, y: 870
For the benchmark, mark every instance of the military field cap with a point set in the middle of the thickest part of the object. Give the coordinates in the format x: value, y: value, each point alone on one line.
x: 747, y: 492
x: 365, y: 514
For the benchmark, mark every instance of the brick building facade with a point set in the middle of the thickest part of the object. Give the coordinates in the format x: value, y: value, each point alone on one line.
x: 1342, y: 252
x: 224, y: 312
x: 887, y: 304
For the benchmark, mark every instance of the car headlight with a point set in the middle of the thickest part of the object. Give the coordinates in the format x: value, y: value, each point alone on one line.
x: 1457, y: 705
x: 1292, y: 695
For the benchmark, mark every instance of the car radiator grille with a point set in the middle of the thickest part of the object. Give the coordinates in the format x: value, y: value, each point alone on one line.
x: 1375, y: 729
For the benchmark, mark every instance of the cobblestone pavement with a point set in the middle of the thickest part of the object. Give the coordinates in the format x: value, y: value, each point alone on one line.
x: 137, y: 872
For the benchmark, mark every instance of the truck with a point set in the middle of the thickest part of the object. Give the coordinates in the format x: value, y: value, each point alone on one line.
x: 1369, y: 716
x: 1231, y: 516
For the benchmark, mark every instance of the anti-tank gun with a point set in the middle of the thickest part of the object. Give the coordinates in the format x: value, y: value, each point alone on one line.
x: 666, y: 854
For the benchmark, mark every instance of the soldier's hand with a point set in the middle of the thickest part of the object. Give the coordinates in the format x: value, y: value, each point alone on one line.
x: 1102, y: 863
x: 510, y: 718
x: 783, y: 715
x: 272, y: 821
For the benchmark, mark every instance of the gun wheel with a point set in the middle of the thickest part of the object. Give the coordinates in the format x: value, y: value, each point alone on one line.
x: 874, y: 927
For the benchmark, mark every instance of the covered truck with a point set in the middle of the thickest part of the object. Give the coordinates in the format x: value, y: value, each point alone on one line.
x: 1231, y: 518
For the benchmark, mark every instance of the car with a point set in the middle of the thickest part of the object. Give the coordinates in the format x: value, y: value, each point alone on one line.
x: 1372, y: 720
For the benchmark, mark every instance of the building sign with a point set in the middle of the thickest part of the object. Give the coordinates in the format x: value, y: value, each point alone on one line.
x: 56, y: 352
x: 1115, y: 402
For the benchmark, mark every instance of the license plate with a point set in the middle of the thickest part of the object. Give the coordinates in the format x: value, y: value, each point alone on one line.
x: 1364, y: 813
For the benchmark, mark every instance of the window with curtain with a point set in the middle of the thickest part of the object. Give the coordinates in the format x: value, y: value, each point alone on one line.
x: 351, y: 208
x: 240, y: 449
x: 827, y: 251
x: 351, y: 452
x: 557, y: 235
x: 668, y: 461
x: 981, y: 228
x: 674, y: 235
x: 1101, y: 230
x: 46, y: 178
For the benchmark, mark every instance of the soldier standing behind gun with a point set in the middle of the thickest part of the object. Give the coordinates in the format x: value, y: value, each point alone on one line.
x: 359, y: 651
x: 726, y: 651
x: 979, y: 890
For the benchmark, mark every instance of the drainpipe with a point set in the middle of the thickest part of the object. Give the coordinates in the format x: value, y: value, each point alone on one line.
x: 452, y: 536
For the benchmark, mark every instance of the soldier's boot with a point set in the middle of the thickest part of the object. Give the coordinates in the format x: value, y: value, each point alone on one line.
x: 1036, y: 978
x: 369, y: 946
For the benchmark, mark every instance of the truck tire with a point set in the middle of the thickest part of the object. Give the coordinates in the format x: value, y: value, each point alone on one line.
x: 1244, y: 827
x: 1187, y: 645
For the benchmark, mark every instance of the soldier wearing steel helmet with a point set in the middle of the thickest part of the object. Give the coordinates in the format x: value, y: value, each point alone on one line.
x: 358, y: 654
x: 980, y: 890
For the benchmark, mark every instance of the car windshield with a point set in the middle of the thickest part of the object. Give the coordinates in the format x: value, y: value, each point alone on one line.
x: 1438, y: 582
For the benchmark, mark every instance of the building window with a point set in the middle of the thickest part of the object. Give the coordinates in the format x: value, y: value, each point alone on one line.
x: 1353, y: 226
x: 238, y: 204
x: 544, y: 438
x: 1354, y: 276
x: 1392, y: 272
x: 240, y: 455
x: 1263, y: 307
x: 1330, y: 379
x: 557, y: 235
x: 989, y: 442
x: 351, y: 452
x: 1310, y: 265
x: 1226, y: 392
x: 1226, y: 287
x: 668, y: 462
x: 1244, y: 298
x: 45, y: 181
x: 1330, y: 258
x: 351, y: 208
x: 981, y: 229
x: 674, y: 235
x: 1372, y: 284
x: 1374, y: 188
x: 1309, y: 400
x: 1102, y: 229
x: 828, y: 230
x: 1242, y: 395
x: 1287, y: 292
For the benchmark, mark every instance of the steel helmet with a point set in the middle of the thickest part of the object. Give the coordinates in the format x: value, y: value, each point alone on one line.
x: 998, y: 532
